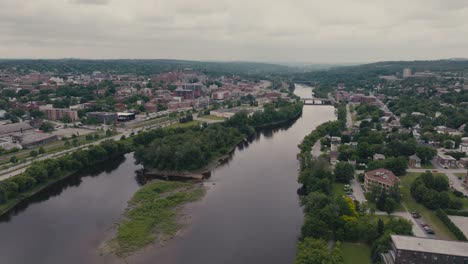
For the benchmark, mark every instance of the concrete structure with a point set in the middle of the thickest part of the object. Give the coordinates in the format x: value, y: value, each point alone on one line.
x: 59, y: 114
x: 29, y: 140
x: 406, y: 249
x: 380, y: 177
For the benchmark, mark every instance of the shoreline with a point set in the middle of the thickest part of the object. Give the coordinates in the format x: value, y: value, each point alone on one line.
x: 200, y: 174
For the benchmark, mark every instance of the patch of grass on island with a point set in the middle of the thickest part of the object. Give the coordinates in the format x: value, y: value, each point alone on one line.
x: 428, y: 215
x: 356, y: 253
x: 152, y: 215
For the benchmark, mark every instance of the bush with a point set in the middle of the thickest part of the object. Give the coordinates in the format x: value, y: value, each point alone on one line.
x: 450, y: 225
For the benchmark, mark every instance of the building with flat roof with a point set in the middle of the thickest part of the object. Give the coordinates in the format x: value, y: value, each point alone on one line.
x: 407, y: 249
x: 103, y: 117
x: 59, y: 114
x: 122, y: 117
x: 380, y: 177
x: 13, y: 128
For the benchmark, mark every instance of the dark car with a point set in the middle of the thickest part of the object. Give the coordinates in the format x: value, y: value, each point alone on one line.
x: 416, y: 215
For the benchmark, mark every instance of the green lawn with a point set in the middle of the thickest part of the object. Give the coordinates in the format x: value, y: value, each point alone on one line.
x: 427, y: 166
x: 188, y: 124
x: 338, y: 190
x: 356, y: 253
x: 440, y: 229
x: 460, y: 174
x: 212, y: 117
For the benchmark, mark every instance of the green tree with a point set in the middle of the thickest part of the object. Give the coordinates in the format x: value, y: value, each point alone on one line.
x: 380, y: 227
x: 426, y: 154
x: 314, y: 251
x: 42, y: 150
x: 344, y: 172
x: 33, y: 153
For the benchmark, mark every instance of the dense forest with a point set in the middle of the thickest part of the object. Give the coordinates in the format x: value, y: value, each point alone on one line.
x: 190, y: 150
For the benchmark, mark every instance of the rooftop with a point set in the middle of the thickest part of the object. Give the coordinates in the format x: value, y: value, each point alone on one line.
x: 429, y: 245
x: 382, y: 175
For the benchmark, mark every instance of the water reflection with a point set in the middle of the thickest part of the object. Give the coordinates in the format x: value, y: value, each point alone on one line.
x: 57, y: 188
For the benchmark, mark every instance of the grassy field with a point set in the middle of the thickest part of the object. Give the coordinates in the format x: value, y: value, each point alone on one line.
x: 427, y: 166
x: 188, y: 124
x: 212, y: 117
x: 356, y: 253
x: 338, y: 190
x: 152, y: 215
x: 460, y: 174
x: 439, y: 228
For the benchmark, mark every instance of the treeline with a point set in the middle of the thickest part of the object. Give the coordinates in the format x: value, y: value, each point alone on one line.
x: 433, y: 192
x: 41, y: 173
x: 144, y: 67
x: 195, y: 147
x: 450, y: 225
x: 331, y: 217
x: 272, y: 114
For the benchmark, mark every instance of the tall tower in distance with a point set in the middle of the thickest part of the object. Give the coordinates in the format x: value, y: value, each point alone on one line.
x: 407, y: 73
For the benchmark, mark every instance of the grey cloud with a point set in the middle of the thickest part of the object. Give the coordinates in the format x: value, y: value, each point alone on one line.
x: 92, y: 2
x: 267, y: 30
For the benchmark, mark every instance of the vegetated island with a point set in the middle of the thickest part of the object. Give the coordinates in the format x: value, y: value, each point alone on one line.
x: 189, y: 153
x: 153, y: 213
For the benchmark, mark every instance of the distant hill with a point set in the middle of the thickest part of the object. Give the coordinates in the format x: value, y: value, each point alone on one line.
x: 391, y: 67
x: 144, y: 66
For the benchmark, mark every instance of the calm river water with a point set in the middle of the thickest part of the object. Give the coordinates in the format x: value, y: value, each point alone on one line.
x: 250, y: 213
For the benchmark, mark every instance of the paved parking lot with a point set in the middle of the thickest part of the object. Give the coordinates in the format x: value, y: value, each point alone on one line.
x: 461, y: 222
x: 358, y: 192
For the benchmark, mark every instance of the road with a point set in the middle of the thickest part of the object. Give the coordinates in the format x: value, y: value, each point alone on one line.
x: 18, y: 169
x: 417, y: 229
x: 358, y: 192
x: 349, y: 119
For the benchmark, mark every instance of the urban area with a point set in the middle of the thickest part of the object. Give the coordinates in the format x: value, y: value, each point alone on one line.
x: 383, y: 180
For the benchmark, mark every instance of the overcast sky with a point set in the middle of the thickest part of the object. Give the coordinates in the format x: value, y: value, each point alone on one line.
x: 326, y: 31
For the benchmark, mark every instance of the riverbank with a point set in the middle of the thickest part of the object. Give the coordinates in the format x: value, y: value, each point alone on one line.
x: 10, y: 204
x: 153, y: 216
x: 201, y: 173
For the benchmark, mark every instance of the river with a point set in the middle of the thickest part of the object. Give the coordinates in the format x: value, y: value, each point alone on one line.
x: 250, y: 213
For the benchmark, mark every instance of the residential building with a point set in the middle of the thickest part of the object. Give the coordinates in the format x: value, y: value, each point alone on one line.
x: 414, y: 161
x: 408, y: 249
x: 407, y: 73
x: 463, y: 147
x: 60, y: 113
x: 446, y: 160
x: 378, y: 156
x: 380, y: 177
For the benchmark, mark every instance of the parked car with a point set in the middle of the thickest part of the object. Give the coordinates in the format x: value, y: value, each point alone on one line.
x: 415, y: 215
